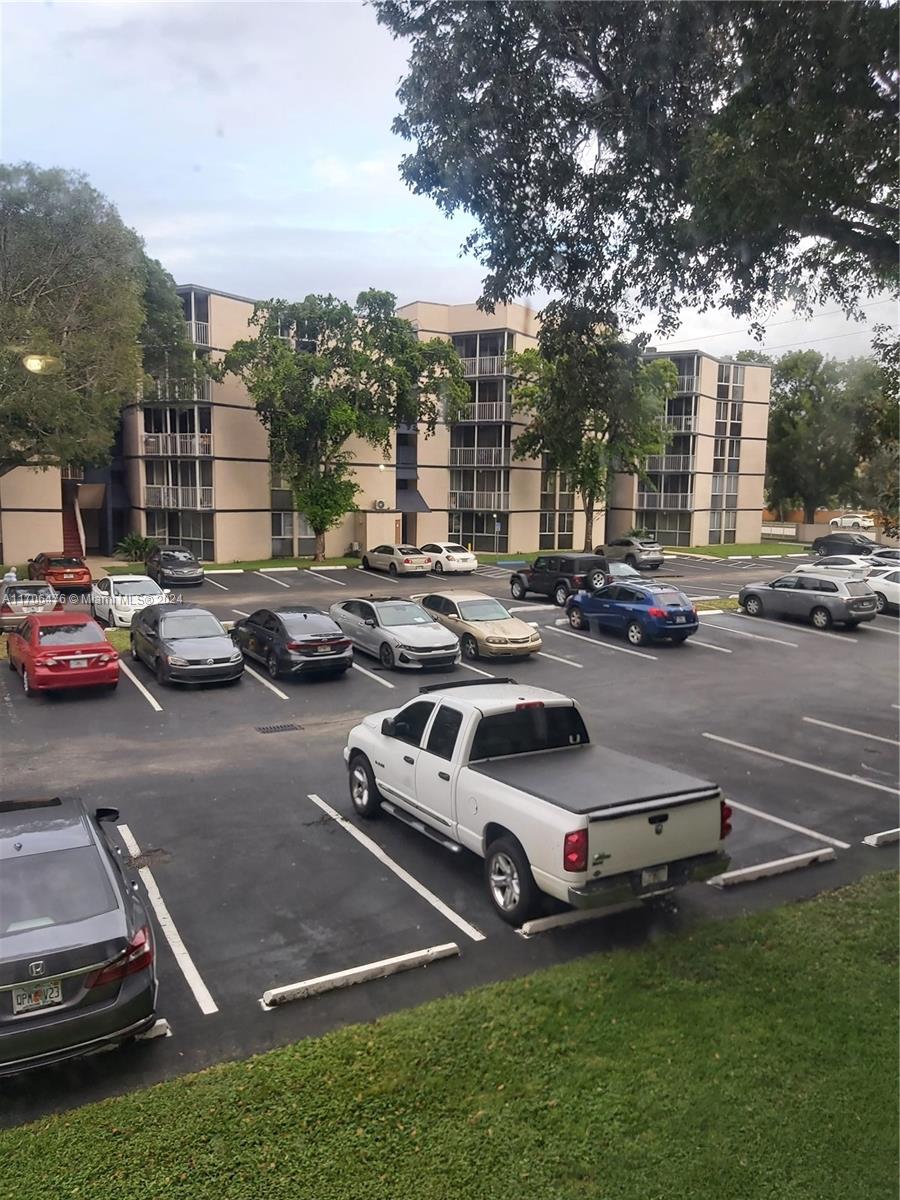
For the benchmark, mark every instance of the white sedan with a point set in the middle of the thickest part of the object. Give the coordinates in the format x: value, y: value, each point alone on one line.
x: 450, y: 556
x: 886, y: 556
x: 839, y: 564
x: 116, y: 598
x: 885, y: 583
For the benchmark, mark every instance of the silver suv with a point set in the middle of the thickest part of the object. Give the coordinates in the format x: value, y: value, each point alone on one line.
x: 821, y: 599
x: 635, y: 551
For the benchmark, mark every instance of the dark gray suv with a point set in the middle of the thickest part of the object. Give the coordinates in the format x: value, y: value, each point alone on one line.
x: 820, y: 599
x: 76, y: 944
x: 183, y: 643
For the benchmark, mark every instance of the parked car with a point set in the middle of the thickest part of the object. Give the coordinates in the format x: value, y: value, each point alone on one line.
x: 635, y: 551
x: 885, y: 583
x: 173, y: 564
x: 510, y: 773
x: 183, y: 643
x: 397, y: 559
x: 858, y: 565
x: 397, y: 631
x: 19, y: 600
x: 294, y: 641
x: 116, y: 598
x: 65, y: 572
x: 645, y: 612
x: 852, y: 521
x: 60, y: 650
x: 450, y: 556
x: 558, y: 575
x: 819, y: 599
x: 76, y: 945
x: 885, y: 554
x: 484, y: 628
x: 843, y: 543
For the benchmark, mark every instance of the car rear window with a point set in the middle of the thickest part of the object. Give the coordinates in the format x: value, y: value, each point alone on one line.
x: 55, y: 888
x: 315, y: 623
x: 583, y: 565
x: 664, y: 599
x: 527, y: 730
x: 408, y: 550
x: 86, y: 633
x: 28, y: 592
x: 451, y: 549
x: 857, y: 589
x: 65, y: 562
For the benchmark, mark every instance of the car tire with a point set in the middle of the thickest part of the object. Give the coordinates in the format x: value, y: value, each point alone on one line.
x: 631, y: 561
x: 272, y: 665
x: 161, y: 677
x: 392, y: 569
x: 560, y: 595
x: 517, y: 589
x: 753, y: 606
x: 438, y: 568
x: 821, y: 550
x: 135, y: 657
x: 365, y: 564
x: 576, y: 617
x: 856, y: 525
x: 510, y: 884
x: 364, y: 794
x: 469, y: 647
x: 634, y: 633
x: 386, y: 656
x: 26, y: 684
x: 820, y: 618
x: 880, y: 602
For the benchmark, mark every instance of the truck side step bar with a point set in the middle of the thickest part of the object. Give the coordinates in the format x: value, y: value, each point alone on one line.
x: 420, y: 827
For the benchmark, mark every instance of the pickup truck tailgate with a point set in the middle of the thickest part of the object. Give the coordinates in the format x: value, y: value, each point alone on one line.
x: 631, y: 836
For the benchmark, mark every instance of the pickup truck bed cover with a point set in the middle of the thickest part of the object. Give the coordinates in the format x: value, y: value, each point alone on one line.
x: 585, y: 779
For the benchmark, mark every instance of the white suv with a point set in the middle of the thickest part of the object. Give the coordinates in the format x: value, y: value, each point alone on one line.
x: 852, y: 521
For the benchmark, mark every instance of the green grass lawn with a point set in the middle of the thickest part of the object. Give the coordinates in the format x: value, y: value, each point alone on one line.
x: 750, y: 1059
x: 753, y: 548
x: 726, y: 604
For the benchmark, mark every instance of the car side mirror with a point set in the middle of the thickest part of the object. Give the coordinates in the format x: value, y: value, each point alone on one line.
x: 370, y: 622
x: 106, y: 814
x: 387, y: 727
x: 30, y: 561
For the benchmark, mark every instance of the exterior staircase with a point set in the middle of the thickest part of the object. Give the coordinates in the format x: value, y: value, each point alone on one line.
x: 71, y: 537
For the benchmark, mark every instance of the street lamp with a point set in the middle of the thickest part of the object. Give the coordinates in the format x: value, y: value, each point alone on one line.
x: 41, y: 364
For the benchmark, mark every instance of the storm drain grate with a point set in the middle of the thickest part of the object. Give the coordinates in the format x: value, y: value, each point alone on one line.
x: 289, y: 727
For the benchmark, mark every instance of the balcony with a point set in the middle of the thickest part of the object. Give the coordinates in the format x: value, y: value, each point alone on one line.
x: 479, y: 456
x: 478, y: 501
x: 486, y: 410
x: 198, y: 332
x: 177, y: 445
x: 679, y: 424
x: 665, y: 502
x: 688, y: 383
x: 170, y: 392
x: 488, y: 364
x: 157, y: 495
x: 670, y: 462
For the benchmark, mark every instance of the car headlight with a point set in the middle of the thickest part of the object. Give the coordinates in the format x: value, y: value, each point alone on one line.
x: 403, y: 646
x: 495, y: 641
x: 535, y: 637
x: 175, y: 660
x: 236, y: 656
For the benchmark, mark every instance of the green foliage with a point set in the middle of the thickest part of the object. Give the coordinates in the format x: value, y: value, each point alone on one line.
x: 593, y: 407
x: 321, y: 372
x: 70, y: 287
x: 135, y: 548
x: 170, y: 366
x: 653, y: 155
x: 873, y: 388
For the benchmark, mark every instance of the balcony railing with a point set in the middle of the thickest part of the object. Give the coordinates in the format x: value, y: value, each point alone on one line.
x: 670, y: 462
x: 680, y: 424
x: 198, y: 332
x: 479, y: 500
x: 487, y: 364
x: 479, y: 456
x: 486, y: 410
x: 174, y: 445
x: 688, y: 383
x: 665, y: 502
x: 74, y: 473
x: 170, y: 392
x: 158, y: 495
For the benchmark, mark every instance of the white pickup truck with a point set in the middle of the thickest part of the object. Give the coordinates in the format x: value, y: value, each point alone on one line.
x: 509, y: 772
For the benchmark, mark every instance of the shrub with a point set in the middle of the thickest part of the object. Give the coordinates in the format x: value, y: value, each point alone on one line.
x: 134, y: 548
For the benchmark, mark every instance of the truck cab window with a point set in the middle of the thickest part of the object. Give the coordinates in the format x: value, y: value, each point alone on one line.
x: 442, y: 738
x: 410, y: 722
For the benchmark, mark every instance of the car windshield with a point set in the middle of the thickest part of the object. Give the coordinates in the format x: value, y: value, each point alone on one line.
x: 28, y: 593
x: 403, y: 614
x: 482, y: 610
x: 85, y: 633
x: 664, y: 599
x: 183, y: 556
x: 451, y: 549
x: 137, y: 587
x: 527, y: 730
x: 190, y: 625
x: 55, y: 888
x: 65, y: 562
x: 855, y: 588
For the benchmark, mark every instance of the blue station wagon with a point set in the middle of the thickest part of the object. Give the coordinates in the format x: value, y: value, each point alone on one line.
x: 642, y: 612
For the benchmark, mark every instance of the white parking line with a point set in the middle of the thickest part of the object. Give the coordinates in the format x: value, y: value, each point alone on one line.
x: 709, y: 646
x: 855, y: 732
x: 566, y: 661
x: 743, y: 633
x: 266, y: 683
x: 171, y: 934
x: 327, y: 578
x: 364, y: 840
x: 603, y: 645
x: 820, y: 837
x: 795, y: 628
x: 240, y: 612
x: 477, y: 670
x: 895, y: 706
x: 798, y: 762
x: 272, y: 579
x: 870, y: 628
x: 218, y: 585
x: 151, y: 700
x: 371, y: 674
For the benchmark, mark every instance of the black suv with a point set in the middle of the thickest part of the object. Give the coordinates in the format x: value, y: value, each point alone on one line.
x: 173, y: 564
x: 559, y: 575
x: 844, y: 542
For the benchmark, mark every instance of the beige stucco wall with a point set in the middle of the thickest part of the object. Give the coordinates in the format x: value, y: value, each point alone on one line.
x: 37, y: 526
x: 238, y: 433
x: 242, y: 535
x: 228, y: 321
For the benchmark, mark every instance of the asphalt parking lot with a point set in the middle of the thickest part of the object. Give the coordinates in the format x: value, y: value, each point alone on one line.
x: 229, y: 798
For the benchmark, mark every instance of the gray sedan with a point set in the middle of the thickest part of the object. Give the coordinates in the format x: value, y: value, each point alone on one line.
x: 76, y: 945
x: 819, y: 599
x: 397, y: 632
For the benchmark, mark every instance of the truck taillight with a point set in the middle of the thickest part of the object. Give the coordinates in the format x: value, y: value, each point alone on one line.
x: 138, y: 955
x: 575, y: 850
x: 724, y: 819
x: 578, y: 580
x: 523, y: 704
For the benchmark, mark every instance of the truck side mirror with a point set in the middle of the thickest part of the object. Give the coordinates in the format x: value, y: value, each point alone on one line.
x: 387, y: 727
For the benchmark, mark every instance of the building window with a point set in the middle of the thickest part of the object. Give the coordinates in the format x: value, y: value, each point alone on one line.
x: 282, y: 534
x: 722, y: 528
x: 723, y: 382
x: 737, y: 382
x: 193, y: 530
x: 668, y: 528
x: 565, y: 527
x: 481, y: 531
x: 547, y: 536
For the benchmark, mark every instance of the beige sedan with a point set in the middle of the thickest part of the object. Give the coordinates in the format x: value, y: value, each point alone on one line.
x: 397, y: 560
x: 484, y: 628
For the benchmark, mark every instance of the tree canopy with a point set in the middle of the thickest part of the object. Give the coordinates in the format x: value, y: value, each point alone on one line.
x: 321, y: 371
x: 653, y: 155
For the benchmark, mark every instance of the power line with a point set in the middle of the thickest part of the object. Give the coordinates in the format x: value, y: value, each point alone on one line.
x: 705, y: 337
x: 813, y: 341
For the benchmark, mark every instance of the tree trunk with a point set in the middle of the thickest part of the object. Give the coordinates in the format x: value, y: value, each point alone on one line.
x: 809, y: 513
x: 319, y: 554
x: 588, y: 503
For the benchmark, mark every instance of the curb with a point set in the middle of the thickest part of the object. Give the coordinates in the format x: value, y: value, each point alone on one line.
x: 340, y: 979
x: 778, y: 866
x: 574, y: 917
x: 886, y: 838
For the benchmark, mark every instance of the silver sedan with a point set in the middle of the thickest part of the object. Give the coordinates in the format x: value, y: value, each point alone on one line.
x: 399, y: 633
x: 399, y: 559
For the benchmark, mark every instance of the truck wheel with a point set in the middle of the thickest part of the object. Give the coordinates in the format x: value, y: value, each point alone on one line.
x: 517, y: 589
x: 560, y: 595
x: 510, y: 884
x: 364, y: 793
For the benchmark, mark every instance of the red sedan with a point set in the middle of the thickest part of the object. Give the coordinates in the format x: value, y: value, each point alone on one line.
x: 62, y: 650
x: 66, y: 572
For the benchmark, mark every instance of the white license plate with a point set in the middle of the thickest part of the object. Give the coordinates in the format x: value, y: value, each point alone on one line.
x: 654, y: 875
x: 68, y: 575
x: 78, y: 662
x: 679, y: 620
x: 40, y: 995
x: 323, y: 649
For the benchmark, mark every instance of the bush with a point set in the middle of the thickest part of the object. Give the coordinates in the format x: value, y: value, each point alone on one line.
x: 134, y: 548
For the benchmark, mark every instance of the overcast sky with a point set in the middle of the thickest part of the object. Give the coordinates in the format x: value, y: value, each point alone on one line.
x: 250, y: 145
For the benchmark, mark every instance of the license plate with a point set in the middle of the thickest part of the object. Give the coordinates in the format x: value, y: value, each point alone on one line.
x: 323, y: 649
x: 679, y: 620
x: 40, y: 995
x: 68, y: 575
x: 653, y: 875
x: 78, y: 662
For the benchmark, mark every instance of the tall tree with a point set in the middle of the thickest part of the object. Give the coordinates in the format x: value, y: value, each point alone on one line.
x: 593, y: 407
x: 322, y: 371
x: 71, y: 280
x: 872, y: 391
x: 171, y: 368
x: 650, y: 155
